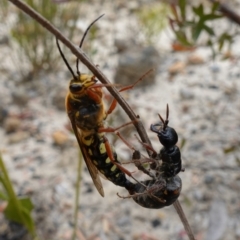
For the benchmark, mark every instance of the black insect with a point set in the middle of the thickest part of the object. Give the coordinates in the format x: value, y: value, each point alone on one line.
x: 170, y: 153
x: 165, y: 187
x: 156, y: 193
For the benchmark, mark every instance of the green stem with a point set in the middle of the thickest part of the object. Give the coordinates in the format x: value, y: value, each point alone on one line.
x: 9, y: 189
x: 77, y: 194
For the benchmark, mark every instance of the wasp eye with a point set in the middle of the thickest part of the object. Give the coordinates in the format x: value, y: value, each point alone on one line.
x: 75, y: 87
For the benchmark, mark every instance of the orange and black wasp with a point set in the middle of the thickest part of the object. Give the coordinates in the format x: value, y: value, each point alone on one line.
x: 86, y: 111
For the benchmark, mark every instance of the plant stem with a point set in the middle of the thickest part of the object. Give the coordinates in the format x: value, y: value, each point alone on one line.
x: 77, y: 194
x: 9, y: 189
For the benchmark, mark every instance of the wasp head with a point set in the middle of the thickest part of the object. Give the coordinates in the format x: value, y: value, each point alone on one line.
x: 81, y: 83
x: 167, y: 136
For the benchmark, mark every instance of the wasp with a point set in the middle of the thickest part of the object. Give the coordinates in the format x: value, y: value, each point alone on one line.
x: 86, y: 111
x: 165, y: 186
x: 170, y: 153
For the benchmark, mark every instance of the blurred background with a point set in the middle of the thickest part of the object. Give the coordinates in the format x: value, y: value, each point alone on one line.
x: 194, y: 51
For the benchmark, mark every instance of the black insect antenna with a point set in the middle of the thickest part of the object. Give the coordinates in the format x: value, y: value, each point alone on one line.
x: 167, y: 115
x: 65, y: 60
x: 162, y: 120
x: 84, y: 35
x: 165, y: 122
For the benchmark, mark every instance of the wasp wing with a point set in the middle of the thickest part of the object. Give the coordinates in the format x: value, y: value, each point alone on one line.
x: 91, y: 167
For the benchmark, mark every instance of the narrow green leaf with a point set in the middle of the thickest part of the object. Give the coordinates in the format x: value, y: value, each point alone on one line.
x: 198, y: 10
x: 26, y: 203
x: 208, y: 30
x: 211, y: 16
x: 4, y: 183
x: 210, y: 44
x: 196, y: 31
x: 220, y: 44
x: 28, y: 221
x: 224, y: 38
x: 182, y: 38
x: 3, y: 196
x: 11, y: 212
x: 182, y: 5
x: 23, y: 216
x: 215, y: 6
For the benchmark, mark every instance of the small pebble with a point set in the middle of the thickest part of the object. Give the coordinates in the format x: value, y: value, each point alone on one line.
x: 208, y: 179
x: 177, y: 67
x: 11, y: 124
x: 195, y: 59
x: 156, y: 222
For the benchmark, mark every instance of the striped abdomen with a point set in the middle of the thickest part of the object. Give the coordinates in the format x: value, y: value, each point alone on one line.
x: 95, y: 146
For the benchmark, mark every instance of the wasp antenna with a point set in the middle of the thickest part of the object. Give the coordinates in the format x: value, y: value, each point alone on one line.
x: 161, y: 119
x: 65, y: 60
x: 167, y: 112
x: 84, y: 35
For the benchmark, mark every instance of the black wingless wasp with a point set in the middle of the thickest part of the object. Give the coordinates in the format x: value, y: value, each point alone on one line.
x: 165, y: 187
x: 86, y: 111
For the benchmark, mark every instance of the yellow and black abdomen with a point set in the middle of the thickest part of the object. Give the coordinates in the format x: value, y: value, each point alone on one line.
x: 97, y: 152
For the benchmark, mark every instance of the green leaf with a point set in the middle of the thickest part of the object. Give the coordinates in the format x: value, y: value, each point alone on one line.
x: 224, y: 38
x: 196, y: 31
x: 26, y: 203
x: 182, y: 6
x: 11, y: 212
x: 210, y: 44
x: 198, y: 10
x: 23, y: 215
x: 28, y: 221
x: 208, y: 30
x: 182, y: 38
x: 220, y: 44
x: 4, y: 183
x: 211, y: 16
x: 215, y: 6
x: 3, y: 196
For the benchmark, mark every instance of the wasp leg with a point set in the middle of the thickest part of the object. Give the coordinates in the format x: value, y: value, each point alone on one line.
x: 136, y: 157
x: 132, y: 195
x: 146, y: 193
x: 148, y: 147
x: 95, y: 96
x: 95, y: 93
x: 111, y: 130
x: 111, y: 157
x: 114, y: 102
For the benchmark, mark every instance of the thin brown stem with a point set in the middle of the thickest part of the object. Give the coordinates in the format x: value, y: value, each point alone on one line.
x: 184, y: 220
x: 115, y: 93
